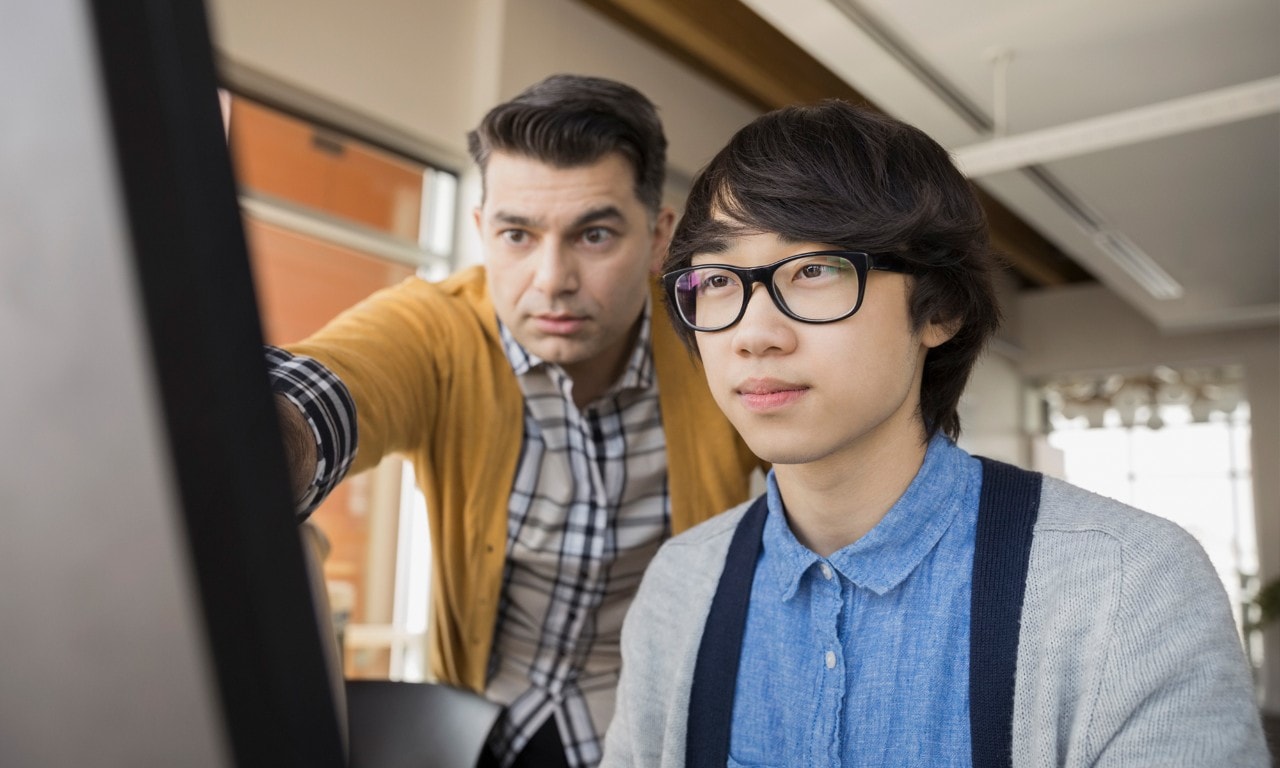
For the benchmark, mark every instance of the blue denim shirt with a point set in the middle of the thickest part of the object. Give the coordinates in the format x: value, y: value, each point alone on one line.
x: 862, y: 658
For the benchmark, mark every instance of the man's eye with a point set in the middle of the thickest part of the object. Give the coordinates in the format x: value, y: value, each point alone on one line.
x: 815, y: 270
x: 514, y: 236
x: 597, y: 235
x: 716, y: 283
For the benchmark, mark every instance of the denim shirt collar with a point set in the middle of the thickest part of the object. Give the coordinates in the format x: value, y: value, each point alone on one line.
x: 887, y: 554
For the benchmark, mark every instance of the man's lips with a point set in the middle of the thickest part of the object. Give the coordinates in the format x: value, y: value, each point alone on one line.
x: 769, y: 394
x: 558, y: 323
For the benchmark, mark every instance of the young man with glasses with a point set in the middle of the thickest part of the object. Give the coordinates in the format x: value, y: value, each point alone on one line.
x: 892, y: 600
x: 557, y: 427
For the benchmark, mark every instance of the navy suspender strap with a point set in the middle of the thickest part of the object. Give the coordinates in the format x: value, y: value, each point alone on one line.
x: 1007, y: 513
x: 1010, y: 502
x: 715, y: 675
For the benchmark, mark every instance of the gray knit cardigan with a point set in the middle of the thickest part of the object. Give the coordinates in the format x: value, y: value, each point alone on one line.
x: 1127, y: 656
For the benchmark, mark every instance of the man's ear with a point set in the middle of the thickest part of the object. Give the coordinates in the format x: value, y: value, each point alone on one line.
x: 663, y: 227
x: 475, y: 216
x: 938, y: 332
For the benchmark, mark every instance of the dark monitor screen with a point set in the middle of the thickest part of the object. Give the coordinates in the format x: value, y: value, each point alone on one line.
x: 154, y: 601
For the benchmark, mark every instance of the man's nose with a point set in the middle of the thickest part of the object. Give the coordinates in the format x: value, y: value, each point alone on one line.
x: 760, y: 302
x: 556, y: 270
x: 763, y: 326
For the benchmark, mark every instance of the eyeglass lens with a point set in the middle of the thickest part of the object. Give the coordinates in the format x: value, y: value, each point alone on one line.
x: 819, y: 287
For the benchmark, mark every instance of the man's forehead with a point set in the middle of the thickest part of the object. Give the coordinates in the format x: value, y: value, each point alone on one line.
x: 597, y: 215
x: 507, y: 167
x: 720, y: 233
x: 516, y: 177
x: 723, y: 230
x: 520, y: 186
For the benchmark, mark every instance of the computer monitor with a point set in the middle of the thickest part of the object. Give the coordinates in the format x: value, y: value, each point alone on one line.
x: 154, y: 603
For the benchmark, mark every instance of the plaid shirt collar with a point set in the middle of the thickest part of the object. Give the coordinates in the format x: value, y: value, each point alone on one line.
x: 637, y: 375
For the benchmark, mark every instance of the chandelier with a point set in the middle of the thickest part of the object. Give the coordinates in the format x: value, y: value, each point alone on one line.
x: 1140, y: 398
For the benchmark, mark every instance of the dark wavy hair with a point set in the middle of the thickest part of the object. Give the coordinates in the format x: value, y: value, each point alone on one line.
x: 574, y: 120
x: 838, y: 174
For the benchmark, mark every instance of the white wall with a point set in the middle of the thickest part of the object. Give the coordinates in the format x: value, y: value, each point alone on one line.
x: 993, y: 414
x: 547, y: 36
x: 993, y: 410
x: 1086, y: 328
x: 432, y: 67
x: 404, y: 62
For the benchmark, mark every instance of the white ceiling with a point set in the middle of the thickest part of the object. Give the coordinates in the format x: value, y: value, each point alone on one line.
x: 1203, y: 203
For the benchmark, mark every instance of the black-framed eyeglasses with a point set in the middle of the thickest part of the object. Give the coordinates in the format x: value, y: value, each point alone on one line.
x: 816, y: 287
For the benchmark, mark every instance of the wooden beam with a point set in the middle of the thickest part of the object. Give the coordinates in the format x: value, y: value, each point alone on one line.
x: 1035, y: 259
x: 731, y: 45
x: 726, y: 41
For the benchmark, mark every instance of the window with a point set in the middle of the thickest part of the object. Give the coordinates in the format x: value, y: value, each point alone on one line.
x: 329, y: 219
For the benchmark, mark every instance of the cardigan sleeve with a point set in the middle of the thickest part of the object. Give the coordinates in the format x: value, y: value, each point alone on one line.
x: 388, y: 351
x: 1176, y: 688
x: 1127, y: 654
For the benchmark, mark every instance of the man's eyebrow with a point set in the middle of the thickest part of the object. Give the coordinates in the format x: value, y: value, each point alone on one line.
x: 710, y: 245
x: 515, y: 219
x: 718, y: 235
x: 592, y: 216
x: 595, y: 215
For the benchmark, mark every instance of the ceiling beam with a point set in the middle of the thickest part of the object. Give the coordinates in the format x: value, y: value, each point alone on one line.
x: 731, y: 45
x: 727, y: 42
x: 1156, y: 121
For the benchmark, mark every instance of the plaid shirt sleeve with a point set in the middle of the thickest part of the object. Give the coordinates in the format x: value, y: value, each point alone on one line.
x: 329, y: 411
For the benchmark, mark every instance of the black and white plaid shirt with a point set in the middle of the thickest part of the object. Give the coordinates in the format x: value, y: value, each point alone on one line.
x: 589, y: 507
x: 588, y: 510
x: 329, y: 411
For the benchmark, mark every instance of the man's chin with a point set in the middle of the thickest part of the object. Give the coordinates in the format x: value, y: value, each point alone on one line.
x: 558, y: 350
